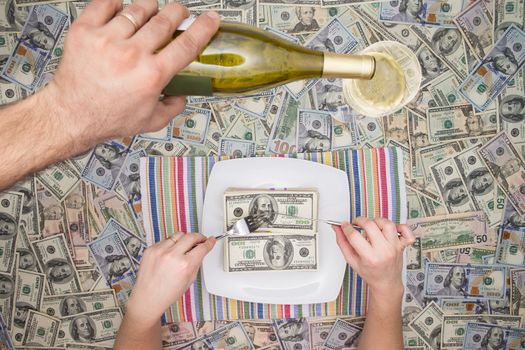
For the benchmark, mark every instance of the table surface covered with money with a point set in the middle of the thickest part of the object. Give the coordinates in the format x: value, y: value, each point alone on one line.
x: 463, y: 143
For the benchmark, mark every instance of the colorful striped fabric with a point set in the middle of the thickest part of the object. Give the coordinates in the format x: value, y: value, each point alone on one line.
x: 173, y: 195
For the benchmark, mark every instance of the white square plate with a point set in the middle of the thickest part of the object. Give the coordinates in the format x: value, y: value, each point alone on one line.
x: 277, y: 287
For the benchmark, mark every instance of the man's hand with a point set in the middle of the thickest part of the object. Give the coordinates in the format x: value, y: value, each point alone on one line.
x: 110, y: 77
x: 166, y: 271
x: 378, y: 257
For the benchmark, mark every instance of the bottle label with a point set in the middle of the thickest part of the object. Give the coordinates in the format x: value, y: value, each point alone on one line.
x: 189, y: 86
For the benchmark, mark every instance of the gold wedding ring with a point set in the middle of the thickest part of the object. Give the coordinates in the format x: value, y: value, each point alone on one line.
x: 130, y: 18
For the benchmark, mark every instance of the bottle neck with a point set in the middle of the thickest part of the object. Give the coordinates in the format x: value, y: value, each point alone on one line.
x: 348, y: 66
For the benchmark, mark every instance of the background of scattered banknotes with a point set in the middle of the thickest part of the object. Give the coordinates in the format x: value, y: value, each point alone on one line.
x: 75, y: 228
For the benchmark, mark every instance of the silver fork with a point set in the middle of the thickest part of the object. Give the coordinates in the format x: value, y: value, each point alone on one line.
x: 244, y: 226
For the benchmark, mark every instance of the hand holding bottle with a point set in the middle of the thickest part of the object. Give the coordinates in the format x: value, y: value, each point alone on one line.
x: 111, y: 76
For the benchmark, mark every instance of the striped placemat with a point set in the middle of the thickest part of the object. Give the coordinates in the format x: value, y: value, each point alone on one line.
x: 173, y: 191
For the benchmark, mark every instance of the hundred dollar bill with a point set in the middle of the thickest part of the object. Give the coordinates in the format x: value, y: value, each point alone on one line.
x: 134, y: 245
x: 52, y: 217
x: 129, y: 177
x: 97, y: 326
x: 427, y: 324
x: 42, y: 30
x: 76, y: 213
x: 318, y: 330
x: 450, y: 231
x: 299, y: 19
x: 314, y: 131
x: 241, y: 128
x: 475, y: 22
x: 282, y: 35
x: 12, y: 18
x: 511, y: 247
x: 489, y: 78
x: 479, y: 182
x: 235, y: 148
x: 110, y: 205
x: 230, y: 15
x: 191, y: 125
x: 452, y: 189
x: 447, y: 43
x: 261, y: 333
x: 59, y: 179
x: 463, y: 307
x: 477, y: 337
x: 344, y: 134
x: 7, y: 297
x: 5, y: 337
x: 257, y: 107
x: 517, y: 291
x: 302, y: 204
x: 507, y: 167
x: 9, y: 92
x: 506, y: 13
x: 459, y: 122
x: 176, y: 333
x: 511, y: 108
x: 10, y: 213
x: 56, y: 262
x: 105, y: 163
x: 343, y: 335
x: 29, y: 217
x: 445, y: 90
x: 73, y: 346
x: 199, y: 3
x: 428, y: 12
x: 271, y: 252
x: 418, y: 138
x: 459, y: 281
x: 41, y: 330
x: 430, y: 155
x: 282, y: 138
x: 112, y: 258
x: 296, y: 340
x: 29, y: 292
x: 454, y: 326
x: 76, y: 303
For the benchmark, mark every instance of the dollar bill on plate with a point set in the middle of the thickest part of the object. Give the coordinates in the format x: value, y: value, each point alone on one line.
x: 453, y: 191
x: 511, y: 247
x: 477, y: 337
x: 112, y: 258
x: 459, y: 122
x: 464, y: 307
x: 508, y: 168
x: 10, y: 213
x: 517, y: 291
x: 460, y: 281
x: 236, y: 148
x: 475, y: 22
x: 500, y: 64
x: 41, y: 330
x: 105, y: 163
x: 42, y: 30
x: 343, y: 335
x: 177, y: 333
x: 283, y: 211
x: 292, y: 333
x: 450, y: 231
x: 56, y: 262
x: 191, y: 125
x: 455, y: 326
x: 90, y: 327
x: 76, y: 303
x: 314, y: 131
x: 427, y: 324
x: 253, y: 252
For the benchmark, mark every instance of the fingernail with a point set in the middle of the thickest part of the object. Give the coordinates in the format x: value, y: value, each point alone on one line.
x: 213, y: 15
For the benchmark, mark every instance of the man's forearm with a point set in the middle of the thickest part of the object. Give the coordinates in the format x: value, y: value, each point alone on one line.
x: 383, y: 327
x: 33, y: 134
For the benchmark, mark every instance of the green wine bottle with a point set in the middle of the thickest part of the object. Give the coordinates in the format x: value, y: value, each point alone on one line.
x: 242, y: 59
